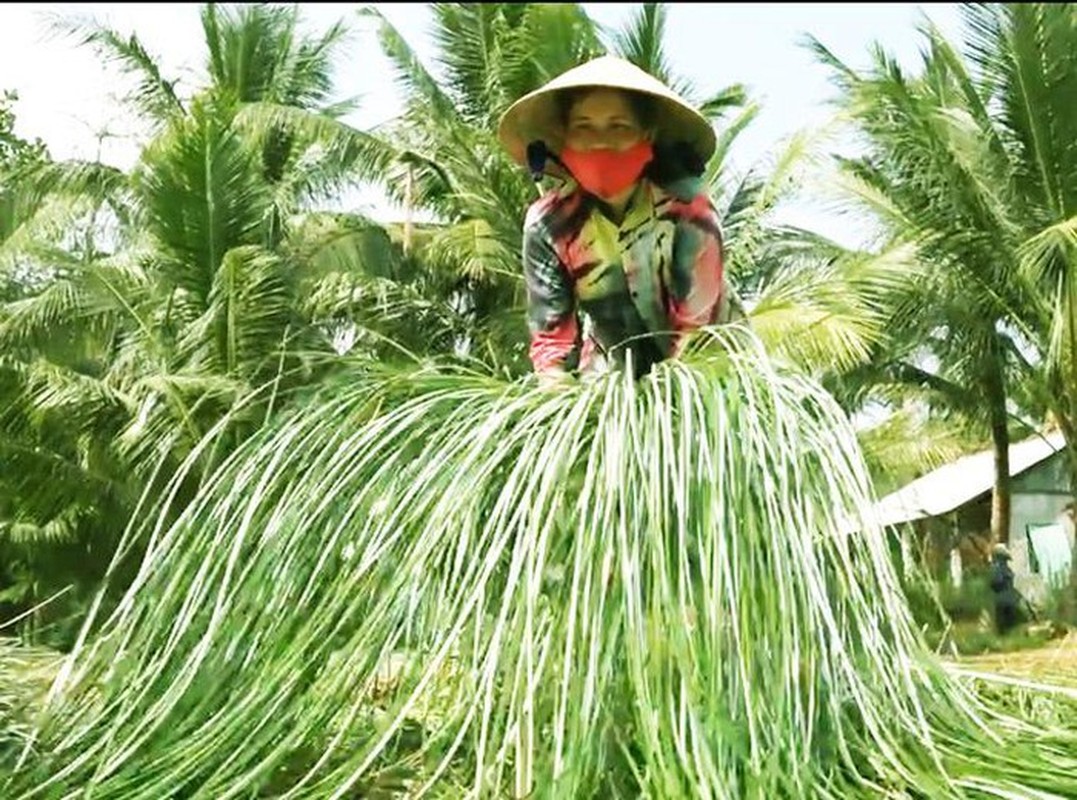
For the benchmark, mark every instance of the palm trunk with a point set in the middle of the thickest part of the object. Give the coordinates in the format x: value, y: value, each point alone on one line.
x: 1000, y: 441
x: 1069, y: 434
x: 1067, y: 416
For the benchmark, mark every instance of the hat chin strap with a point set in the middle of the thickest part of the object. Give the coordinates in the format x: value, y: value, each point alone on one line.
x: 537, y: 156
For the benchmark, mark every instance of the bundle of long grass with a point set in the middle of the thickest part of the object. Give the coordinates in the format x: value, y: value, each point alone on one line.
x: 442, y: 584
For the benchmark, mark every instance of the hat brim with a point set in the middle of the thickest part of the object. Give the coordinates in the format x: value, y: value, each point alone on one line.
x: 537, y: 115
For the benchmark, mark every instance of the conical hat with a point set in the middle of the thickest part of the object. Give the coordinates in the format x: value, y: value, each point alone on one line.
x: 536, y: 116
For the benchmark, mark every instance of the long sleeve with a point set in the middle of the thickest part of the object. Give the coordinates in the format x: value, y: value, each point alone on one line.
x: 699, y: 292
x: 551, y: 301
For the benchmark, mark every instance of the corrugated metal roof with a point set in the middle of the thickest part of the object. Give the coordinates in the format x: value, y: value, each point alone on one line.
x: 955, y: 484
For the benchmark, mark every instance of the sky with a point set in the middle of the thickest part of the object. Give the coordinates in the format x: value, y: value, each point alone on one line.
x: 71, y: 100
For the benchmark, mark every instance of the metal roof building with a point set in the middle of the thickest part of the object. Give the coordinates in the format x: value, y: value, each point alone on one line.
x: 951, y: 486
x: 958, y: 496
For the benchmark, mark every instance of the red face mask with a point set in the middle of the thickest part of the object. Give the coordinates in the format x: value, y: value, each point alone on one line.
x: 607, y: 173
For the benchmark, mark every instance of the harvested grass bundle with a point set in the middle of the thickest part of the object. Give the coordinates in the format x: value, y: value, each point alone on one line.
x: 437, y: 582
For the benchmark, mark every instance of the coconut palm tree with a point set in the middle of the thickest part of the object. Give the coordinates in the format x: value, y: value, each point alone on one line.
x: 203, y: 279
x: 950, y: 172
x: 1023, y: 53
x: 53, y: 479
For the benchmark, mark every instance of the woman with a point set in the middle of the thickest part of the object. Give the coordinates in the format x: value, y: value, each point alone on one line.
x: 630, y: 242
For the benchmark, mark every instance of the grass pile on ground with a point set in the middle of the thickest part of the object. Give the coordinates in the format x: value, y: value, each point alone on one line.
x: 1054, y: 663
x: 26, y: 673
x: 437, y: 580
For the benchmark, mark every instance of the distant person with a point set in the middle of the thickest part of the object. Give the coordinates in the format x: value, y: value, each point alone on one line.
x: 1007, y: 599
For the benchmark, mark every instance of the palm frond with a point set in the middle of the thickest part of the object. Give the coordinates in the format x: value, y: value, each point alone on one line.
x: 419, y: 87
x: 944, y: 57
x: 1049, y: 260
x: 98, y: 182
x: 642, y: 41
x: 829, y: 316
x: 552, y: 38
x: 721, y: 102
x: 307, y: 73
x: 907, y: 444
x: 380, y: 314
x: 472, y: 250
x: 25, y: 674
x: 37, y: 245
x: 326, y: 156
x: 471, y: 39
x: 88, y: 302
x: 58, y: 529
x: 857, y: 184
x: 37, y: 316
x: 202, y: 193
x: 746, y: 216
x: 1046, y: 254
x: 154, y: 95
x: 55, y: 212
x: 259, y: 52
x: 843, y: 76
x: 715, y: 175
x: 56, y: 422
x: 345, y: 243
x: 1026, y: 51
x: 251, y: 305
